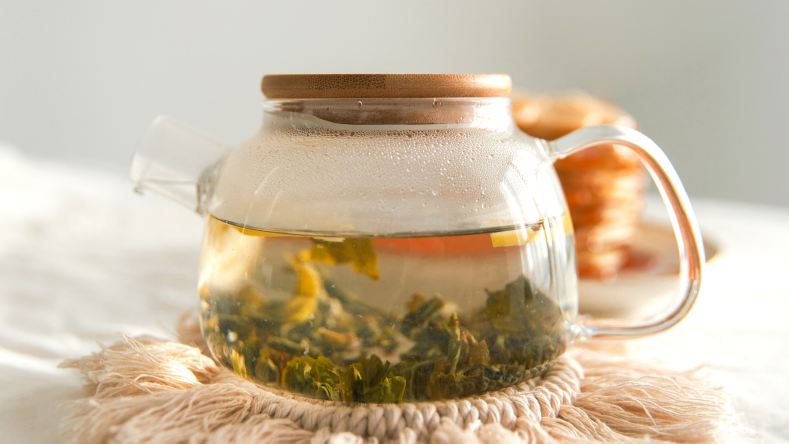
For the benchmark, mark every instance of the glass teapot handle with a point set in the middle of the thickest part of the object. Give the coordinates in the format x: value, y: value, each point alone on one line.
x: 683, y: 220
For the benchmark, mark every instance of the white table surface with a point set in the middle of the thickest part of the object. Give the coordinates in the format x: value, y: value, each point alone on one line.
x: 83, y: 258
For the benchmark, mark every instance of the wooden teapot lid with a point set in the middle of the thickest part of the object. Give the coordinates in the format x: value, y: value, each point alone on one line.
x: 345, y: 86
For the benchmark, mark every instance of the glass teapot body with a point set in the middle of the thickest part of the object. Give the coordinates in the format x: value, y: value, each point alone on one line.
x: 393, y: 248
x: 444, y: 249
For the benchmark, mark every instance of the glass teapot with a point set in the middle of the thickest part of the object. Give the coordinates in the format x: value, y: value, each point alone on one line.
x: 393, y: 238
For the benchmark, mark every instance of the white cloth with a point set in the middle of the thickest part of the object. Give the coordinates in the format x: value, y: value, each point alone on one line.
x: 82, y: 258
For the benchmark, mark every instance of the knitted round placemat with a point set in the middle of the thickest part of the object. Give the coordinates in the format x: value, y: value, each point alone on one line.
x: 149, y: 390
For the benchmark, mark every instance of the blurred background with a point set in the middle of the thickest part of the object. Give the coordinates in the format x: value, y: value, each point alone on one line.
x: 80, y: 80
x: 82, y: 257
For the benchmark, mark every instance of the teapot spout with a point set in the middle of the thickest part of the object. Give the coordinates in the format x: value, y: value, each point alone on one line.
x: 176, y: 161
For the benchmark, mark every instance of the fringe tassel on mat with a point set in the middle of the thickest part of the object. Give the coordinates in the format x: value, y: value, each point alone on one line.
x: 147, y: 390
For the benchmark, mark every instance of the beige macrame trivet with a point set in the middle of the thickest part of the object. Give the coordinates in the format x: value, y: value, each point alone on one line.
x: 147, y: 390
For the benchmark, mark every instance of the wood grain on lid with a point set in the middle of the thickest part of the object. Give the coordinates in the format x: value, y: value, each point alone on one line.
x: 343, y: 86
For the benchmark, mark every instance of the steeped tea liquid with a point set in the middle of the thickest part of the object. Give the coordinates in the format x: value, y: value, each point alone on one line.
x: 390, y: 318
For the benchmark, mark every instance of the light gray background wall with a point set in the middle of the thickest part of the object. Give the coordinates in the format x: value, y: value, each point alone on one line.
x: 708, y: 80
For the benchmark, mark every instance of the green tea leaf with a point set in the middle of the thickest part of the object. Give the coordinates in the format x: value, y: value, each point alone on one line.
x: 350, y: 379
x: 521, y: 311
x: 420, y: 310
x: 367, y: 381
x: 301, y: 309
x: 239, y: 366
x: 373, y: 371
x: 430, y: 342
x: 315, y: 378
x: 287, y: 346
x: 265, y: 370
x: 455, y: 342
x: 309, y: 289
x: 478, y: 352
x: 416, y: 301
x: 388, y: 390
x: 417, y: 377
x: 336, y: 340
x: 475, y: 379
x: 359, y: 252
x: 308, y: 280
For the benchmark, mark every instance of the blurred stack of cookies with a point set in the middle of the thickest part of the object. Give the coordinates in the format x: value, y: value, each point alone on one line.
x: 604, y: 185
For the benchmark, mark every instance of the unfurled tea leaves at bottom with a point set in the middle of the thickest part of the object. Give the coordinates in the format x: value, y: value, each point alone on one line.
x: 324, y: 341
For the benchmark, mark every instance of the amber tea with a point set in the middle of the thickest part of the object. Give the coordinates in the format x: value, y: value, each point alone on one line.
x: 390, y: 318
